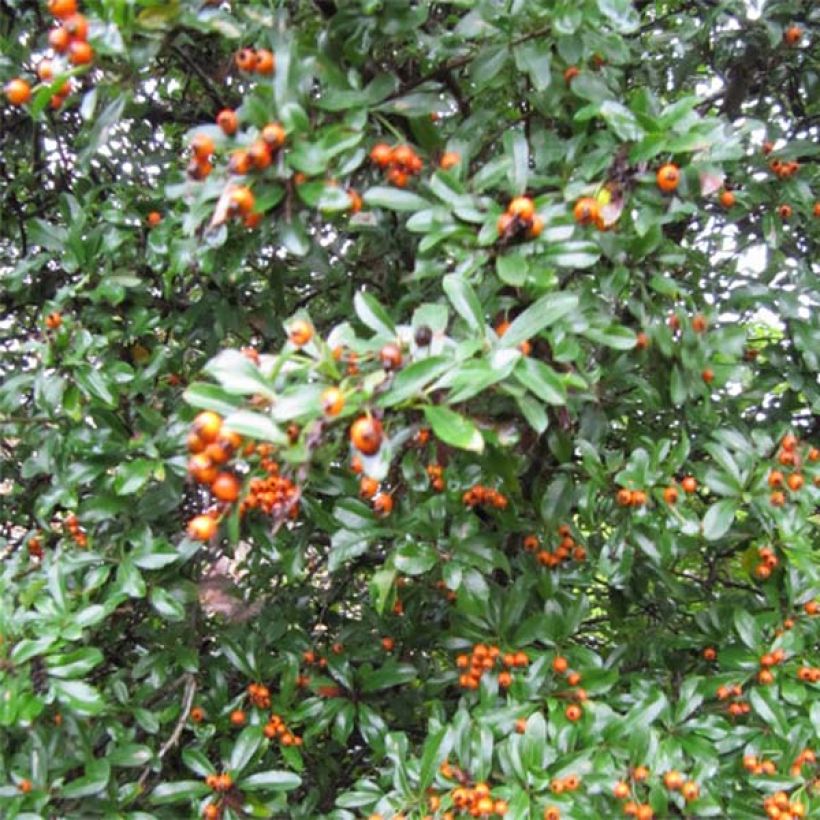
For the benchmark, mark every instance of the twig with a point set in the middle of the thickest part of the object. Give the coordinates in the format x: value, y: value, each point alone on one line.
x: 187, y: 703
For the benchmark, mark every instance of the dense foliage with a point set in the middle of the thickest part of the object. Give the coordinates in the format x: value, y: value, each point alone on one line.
x: 409, y: 409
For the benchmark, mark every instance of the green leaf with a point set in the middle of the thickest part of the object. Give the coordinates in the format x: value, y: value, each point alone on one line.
x: 95, y: 780
x: 453, y: 428
x: 621, y: 13
x: 275, y: 780
x: 255, y: 426
x: 410, y: 381
x: 166, y: 605
x: 415, y: 558
x: 373, y: 314
x: 131, y: 755
x: 79, y: 696
x: 391, y: 674
x: 132, y: 476
x: 464, y: 299
x: 179, y: 792
x: 211, y: 397
x: 747, y: 628
x: 238, y: 374
x: 74, y: 664
x: 395, y: 199
x: 436, y: 748
x: 764, y: 702
x: 533, y: 57
x: 719, y: 518
x: 615, y: 336
x: 621, y: 120
x: 244, y: 748
x: 515, y: 144
x: 541, y: 380
x: 540, y: 314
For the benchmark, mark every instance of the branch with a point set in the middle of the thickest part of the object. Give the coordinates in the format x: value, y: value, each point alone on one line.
x: 187, y: 703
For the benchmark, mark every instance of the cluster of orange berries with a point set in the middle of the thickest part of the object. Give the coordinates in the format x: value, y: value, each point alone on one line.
x: 436, y: 475
x: 70, y: 36
x: 520, y: 217
x: 210, y: 448
x: 255, y: 61
x: 570, y: 783
x: 476, y: 800
x: 259, y: 695
x: 76, y: 531
x: 767, y: 661
x: 276, y: 728
x: 574, y: 712
x: 630, y: 498
x: 778, y: 807
x: 35, y: 547
x: 400, y: 161
x: 622, y: 790
x: 219, y: 782
x: 806, y: 758
x: 483, y: 659
x: 789, y: 456
x: 479, y: 494
x: 809, y: 674
x: 734, y: 693
x: 275, y: 495
x: 784, y: 169
x: 670, y: 494
x: 566, y: 548
x: 381, y: 502
x: 767, y: 564
x: 675, y: 781
x: 758, y: 765
x: 587, y: 211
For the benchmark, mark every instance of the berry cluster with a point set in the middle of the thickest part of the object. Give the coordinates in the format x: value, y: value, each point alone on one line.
x: 401, y: 162
x: 758, y: 765
x: 276, y: 728
x: 733, y: 693
x: 520, y: 218
x: 567, y: 548
x: 483, y: 659
x: 255, y: 61
x: 778, y: 807
x: 476, y: 800
x: 77, y: 532
x: 768, y: 562
x: 789, y: 456
x: 259, y: 695
x: 436, y: 474
x: 479, y: 494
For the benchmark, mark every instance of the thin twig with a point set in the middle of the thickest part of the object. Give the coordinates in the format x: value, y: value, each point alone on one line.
x: 187, y: 703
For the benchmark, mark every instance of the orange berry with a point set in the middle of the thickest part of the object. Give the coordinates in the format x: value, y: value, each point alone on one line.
x: 710, y: 653
x: 366, y: 435
x: 265, y: 62
x: 586, y: 210
x: 202, y: 528
x: 642, y: 341
x: 273, y: 135
x: 17, y: 91
x: 300, y: 332
x: 777, y: 499
x: 573, y: 679
x: 689, y: 484
x: 690, y: 791
x: 390, y: 356
x: 332, y: 400
x: 25, y: 785
x: 560, y: 664
x: 242, y: 201
x: 77, y: 26
x: 621, y: 790
x: 573, y: 713
x: 792, y: 35
x: 785, y: 211
x: 383, y: 504
x: 522, y: 207
x: 80, y: 53
x: 153, y: 219
x: 259, y: 155
x: 670, y: 495
x: 795, y: 482
x: 624, y: 497
x: 227, y: 120
x: 673, y: 780
x: 668, y: 177
x: 727, y: 199
x: 699, y: 323
x: 571, y: 73
x: 640, y: 773
x: 449, y: 159
x: 59, y: 39
x: 504, y: 679
x: 226, y: 487
x: 207, y: 425
x: 637, y: 498
x: 708, y: 375
x: 62, y: 8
